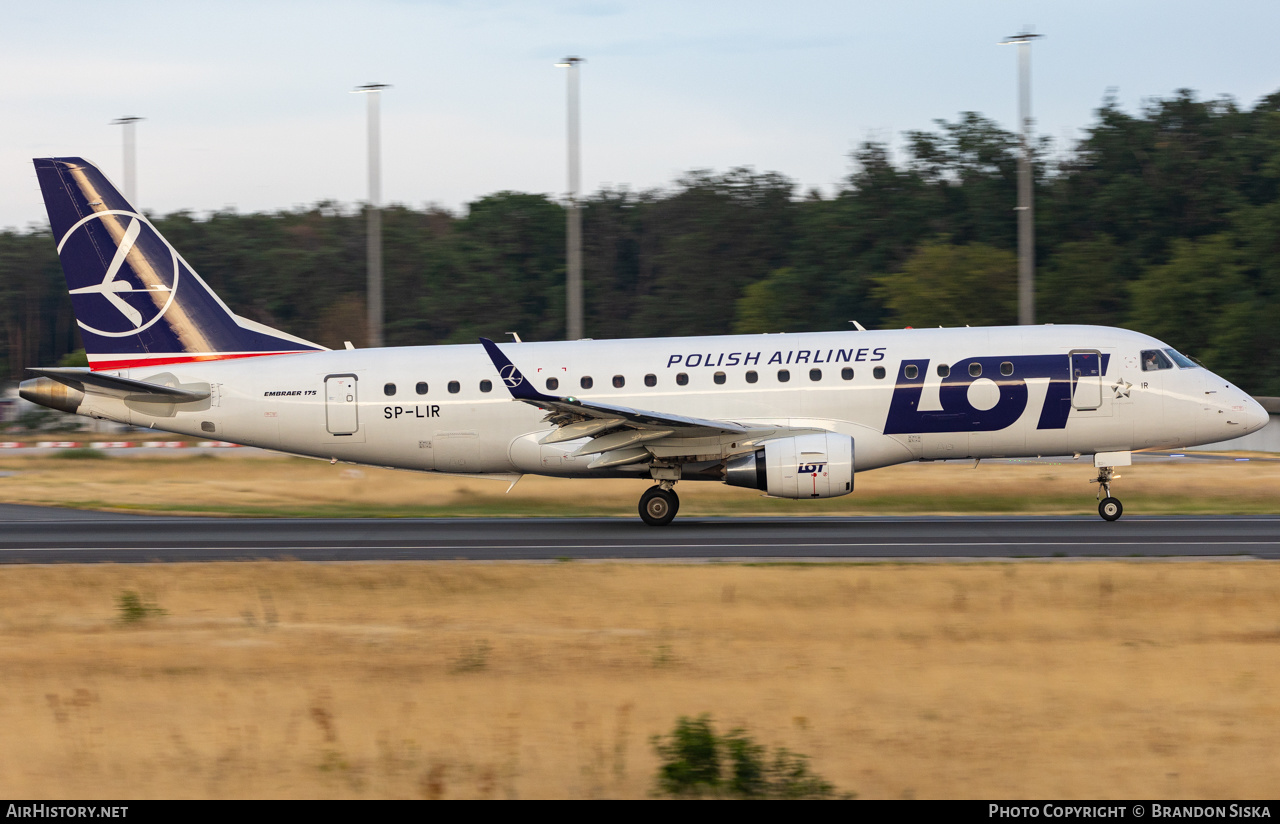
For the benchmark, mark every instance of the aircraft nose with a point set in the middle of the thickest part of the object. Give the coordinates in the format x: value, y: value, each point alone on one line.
x: 1256, y: 415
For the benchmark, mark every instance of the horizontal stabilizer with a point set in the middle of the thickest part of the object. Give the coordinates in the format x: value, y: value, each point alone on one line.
x: 80, y: 377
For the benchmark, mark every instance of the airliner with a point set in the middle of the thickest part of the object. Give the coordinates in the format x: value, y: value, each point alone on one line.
x: 788, y: 415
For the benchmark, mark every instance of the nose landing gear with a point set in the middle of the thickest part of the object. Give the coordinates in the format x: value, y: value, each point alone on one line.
x: 1109, y: 508
x: 659, y: 504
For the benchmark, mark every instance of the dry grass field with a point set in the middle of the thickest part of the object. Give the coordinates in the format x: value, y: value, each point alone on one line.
x: 278, y: 486
x: 1011, y: 680
x: 1020, y: 679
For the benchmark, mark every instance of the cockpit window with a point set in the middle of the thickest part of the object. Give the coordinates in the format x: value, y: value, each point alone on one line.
x: 1154, y: 360
x: 1180, y: 359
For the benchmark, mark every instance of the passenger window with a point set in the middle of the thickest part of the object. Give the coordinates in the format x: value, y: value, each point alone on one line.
x: 454, y: 387
x: 619, y: 381
x: 486, y: 386
x: 650, y: 380
x: 553, y: 383
x: 911, y: 372
x: 752, y: 377
x: 878, y: 372
x: 586, y: 382
x: 719, y: 378
x: 1006, y: 369
x: 943, y: 370
x: 1154, y: 360
x: 421, y: 388
x: 784, y: 375
x: 815, y: 374
x: 846, y: 373
x: 682, y: 379
x: 975, y: 370
x: 389, y: 389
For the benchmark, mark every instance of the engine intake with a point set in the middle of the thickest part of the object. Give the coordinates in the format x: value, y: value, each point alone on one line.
x: 803, y: 466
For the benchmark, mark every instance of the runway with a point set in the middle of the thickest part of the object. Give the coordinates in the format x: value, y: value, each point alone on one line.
x: 39, y: 535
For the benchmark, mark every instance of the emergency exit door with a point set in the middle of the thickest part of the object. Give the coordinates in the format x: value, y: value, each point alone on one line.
x: 341, y: 406
x: 1086, y: 378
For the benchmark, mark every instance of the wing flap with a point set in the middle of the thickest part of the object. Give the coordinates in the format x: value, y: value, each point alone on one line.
x: 639, y: 418
x: 621, y: 440
x: 581, y: 429
x: 620, y: 457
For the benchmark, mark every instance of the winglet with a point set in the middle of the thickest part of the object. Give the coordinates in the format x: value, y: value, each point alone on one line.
x: 520, y: 387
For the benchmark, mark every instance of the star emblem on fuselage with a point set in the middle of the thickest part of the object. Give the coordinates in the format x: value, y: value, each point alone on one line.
x: 1122, y: 388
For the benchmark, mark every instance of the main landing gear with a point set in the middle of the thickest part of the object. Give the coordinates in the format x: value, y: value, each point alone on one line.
x: 1109, y: 508
x: 659, y: 504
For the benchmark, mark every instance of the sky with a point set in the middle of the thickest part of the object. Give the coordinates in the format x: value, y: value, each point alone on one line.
x: 248, y: 104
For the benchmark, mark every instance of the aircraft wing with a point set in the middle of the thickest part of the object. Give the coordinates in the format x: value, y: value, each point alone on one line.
x: 618, y: 431
x: 523, y: 389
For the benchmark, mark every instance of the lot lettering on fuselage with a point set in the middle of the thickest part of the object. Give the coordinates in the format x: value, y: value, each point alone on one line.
x: 959, y: 415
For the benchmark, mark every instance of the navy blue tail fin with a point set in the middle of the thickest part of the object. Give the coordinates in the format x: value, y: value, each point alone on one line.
x: 137, y: 302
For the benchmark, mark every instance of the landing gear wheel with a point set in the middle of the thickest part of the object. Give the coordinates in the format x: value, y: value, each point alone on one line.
x: 1110, y: 509
x: 658, y: 506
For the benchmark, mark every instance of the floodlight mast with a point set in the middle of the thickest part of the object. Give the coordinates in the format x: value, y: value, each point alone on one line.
x: 130, y: 158
x: 573, y: 284
x: 1026, y: 195
x: 374, y: 229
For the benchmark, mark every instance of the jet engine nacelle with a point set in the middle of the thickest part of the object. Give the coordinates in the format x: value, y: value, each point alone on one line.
x: 804, y: 466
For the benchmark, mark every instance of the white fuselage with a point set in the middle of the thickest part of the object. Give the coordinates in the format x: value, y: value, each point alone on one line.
x: 394, y: 407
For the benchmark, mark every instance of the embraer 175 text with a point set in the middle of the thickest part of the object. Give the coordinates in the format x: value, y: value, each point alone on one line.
x: 795, y: 415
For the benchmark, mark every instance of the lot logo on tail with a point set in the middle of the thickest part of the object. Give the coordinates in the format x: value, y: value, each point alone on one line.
x: 140, y: 280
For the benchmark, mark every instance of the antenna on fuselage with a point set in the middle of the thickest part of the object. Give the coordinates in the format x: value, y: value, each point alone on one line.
x: 516, y: 336
x: 858, y: 326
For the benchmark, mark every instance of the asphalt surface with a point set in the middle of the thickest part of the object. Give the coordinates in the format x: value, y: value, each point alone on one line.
x: 45, y: 535
x: 140, y: 452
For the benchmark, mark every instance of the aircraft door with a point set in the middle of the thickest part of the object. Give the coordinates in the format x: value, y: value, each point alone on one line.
x: 1086, y: 378
x: 341, y: 404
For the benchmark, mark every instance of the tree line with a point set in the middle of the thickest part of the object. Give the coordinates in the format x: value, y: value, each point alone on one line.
x: 1166, y: 221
